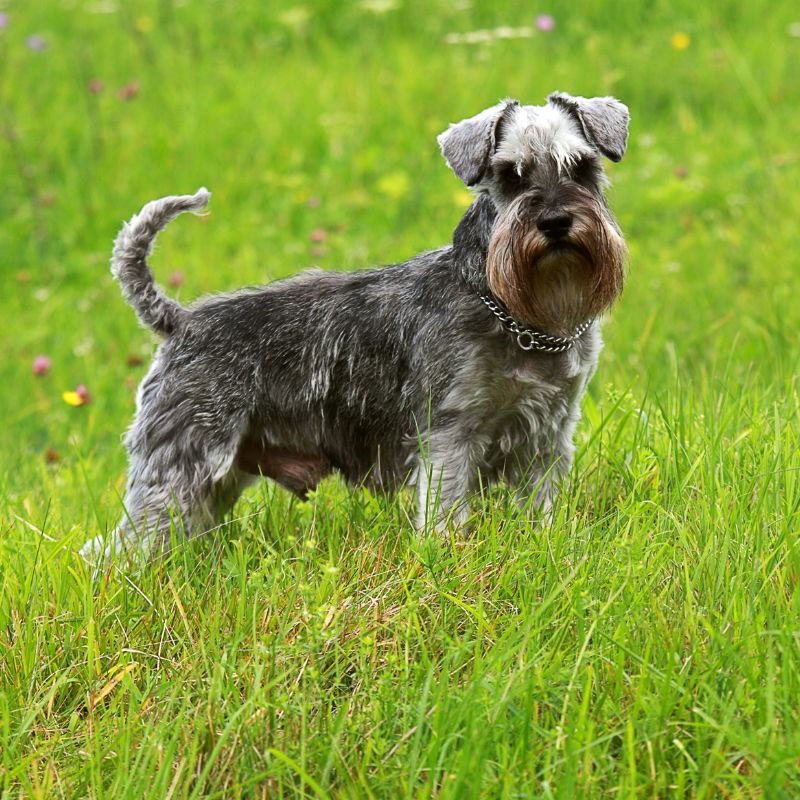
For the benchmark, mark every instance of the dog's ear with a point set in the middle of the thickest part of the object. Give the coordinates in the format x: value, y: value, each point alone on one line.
x: 468, y: 145
x: 603, y: 120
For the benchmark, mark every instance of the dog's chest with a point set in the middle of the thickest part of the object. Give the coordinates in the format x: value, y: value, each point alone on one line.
x: 527, y: 400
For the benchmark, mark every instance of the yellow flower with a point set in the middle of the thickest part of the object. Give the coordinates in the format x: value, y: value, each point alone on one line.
x: 72, y: 399
x: 80, y: 397
x: 296, y: 17
x: 462, y: 198
x: 144, y: 24
x: 680, y: 40
x: 394, y: 184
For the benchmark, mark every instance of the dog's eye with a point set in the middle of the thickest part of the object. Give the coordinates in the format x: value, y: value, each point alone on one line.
x: 584, y: 170
x: 510, y: 178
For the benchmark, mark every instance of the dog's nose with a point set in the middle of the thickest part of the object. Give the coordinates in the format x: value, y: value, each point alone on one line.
x: 556, y: 226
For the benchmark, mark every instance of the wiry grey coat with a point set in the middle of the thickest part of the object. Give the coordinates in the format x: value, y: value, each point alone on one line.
x: 388, y: 376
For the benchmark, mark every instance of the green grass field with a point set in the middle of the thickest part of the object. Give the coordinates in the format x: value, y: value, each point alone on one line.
x: 647, y: 644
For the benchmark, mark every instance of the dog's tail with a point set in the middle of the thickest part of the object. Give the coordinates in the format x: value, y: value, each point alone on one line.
x: 129, y: 260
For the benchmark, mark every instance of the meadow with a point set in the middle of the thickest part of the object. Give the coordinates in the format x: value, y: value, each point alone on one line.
x: 644, y: 644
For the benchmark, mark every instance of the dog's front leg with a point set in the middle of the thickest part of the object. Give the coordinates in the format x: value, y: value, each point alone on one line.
x: 443, y: 478
x: 538, y: 480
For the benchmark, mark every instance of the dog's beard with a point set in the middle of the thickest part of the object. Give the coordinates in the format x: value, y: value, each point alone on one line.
x: 550, y: 285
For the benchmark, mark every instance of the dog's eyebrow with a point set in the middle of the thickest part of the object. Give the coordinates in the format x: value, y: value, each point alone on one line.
x: 511, y: 170
x: 583, y: 160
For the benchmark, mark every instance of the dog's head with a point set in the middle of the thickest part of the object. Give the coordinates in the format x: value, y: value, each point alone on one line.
x: 556, y: 255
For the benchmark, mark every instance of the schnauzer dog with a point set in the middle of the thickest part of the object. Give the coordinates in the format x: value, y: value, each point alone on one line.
x: 459, y: 368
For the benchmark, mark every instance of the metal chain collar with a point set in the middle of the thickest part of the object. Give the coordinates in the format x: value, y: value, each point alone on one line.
x: 530, y: 339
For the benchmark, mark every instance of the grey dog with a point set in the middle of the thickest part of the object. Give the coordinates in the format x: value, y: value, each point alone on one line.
x: 460, y: 368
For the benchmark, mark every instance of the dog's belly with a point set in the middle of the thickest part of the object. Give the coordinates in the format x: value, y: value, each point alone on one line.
x: 300, y: 466
x: 295, y: 470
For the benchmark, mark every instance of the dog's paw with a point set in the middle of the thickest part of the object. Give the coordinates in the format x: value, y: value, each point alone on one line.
x: 98, y: 550
x: 116, y: 549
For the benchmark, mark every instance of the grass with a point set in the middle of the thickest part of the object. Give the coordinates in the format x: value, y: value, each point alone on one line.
x: 644, y: 645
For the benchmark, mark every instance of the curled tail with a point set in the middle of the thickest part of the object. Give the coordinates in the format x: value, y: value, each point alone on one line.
x: 129, y: 260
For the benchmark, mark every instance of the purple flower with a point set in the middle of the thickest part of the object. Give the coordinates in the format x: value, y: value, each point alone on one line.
x: 545, y: 23
x: 41, y: 365
x: 129, y: 91
x: 176, y: 279
x: 3, y: 20
x: 36, y: 43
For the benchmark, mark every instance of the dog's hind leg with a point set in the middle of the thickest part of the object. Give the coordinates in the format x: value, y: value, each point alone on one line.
x: 181, y: 480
